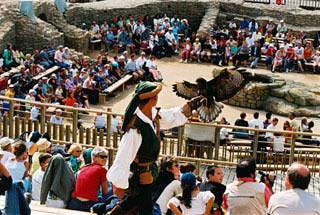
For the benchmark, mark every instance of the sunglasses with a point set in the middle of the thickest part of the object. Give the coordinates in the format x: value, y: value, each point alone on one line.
x: 79, y: 151
x: 103, y: 156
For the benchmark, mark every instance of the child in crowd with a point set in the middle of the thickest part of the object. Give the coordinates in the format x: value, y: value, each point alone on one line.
x: 38, y: 175
x: 192, y: 201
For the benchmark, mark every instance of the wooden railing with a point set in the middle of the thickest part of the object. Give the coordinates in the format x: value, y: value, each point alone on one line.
x: 208, y: 152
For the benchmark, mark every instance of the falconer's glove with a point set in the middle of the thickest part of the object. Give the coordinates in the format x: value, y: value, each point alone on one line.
x: 193, y: 104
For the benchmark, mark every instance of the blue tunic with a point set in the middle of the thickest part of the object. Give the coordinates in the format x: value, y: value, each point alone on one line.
x: 26, y: 8
x: 61, y: 6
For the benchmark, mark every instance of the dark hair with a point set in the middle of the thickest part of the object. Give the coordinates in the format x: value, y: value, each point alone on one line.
x: 297, y: 180
x: 166, y: 163
x: 310, y: 124
x: 275, y: 119
x: 293, y: 114
x: 144, y: 101
x: 243, y: 115
x: 268, y: 115
x: 44, y: 157
x: 246, y: 167
x: 211, y: 170
x: 256, y: 115
x: 19, y: 149
x: 187, y: 167
x: 186, y: 197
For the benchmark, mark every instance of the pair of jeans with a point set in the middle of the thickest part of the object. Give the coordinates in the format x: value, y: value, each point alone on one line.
x: 76, y: 204
x: 14, y: 193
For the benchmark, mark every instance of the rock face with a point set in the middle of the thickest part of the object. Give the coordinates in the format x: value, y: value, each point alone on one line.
x: 280, y: 97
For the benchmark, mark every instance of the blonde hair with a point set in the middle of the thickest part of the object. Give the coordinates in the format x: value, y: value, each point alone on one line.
x: 73, y: 147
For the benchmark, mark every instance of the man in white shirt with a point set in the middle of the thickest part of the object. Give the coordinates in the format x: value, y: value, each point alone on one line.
x: 295, y: 200
x: 58, y: 57
x: 256, y: 122
x: 272, y: 126
x: 171, y: 40
x: 139, y: 146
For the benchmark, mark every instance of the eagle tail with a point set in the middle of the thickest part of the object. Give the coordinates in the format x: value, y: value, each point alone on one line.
x: 209, y: 112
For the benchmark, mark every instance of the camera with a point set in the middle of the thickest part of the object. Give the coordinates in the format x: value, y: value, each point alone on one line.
x: 267, y: 176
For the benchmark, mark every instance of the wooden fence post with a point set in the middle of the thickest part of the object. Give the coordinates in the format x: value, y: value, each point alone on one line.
x: 11, y: 115
x: 68, y: 132
x: 101, y: 137
x: 55, y: 131
x: 30, y: 124
x: 109, y: 117
x: 75, y: 125
x: 292, y: 146
x: 94, y: 137
x: 23, y: 125
x: 255, y: 143
x: 17, y: 131
x: 180, y: 139
x: 217, y: 143
x: 88, y: 136
x: 81, y: 135
x: 43, y: 119
x: 61, y: 132
x: 36, y: 126
x: 5, y: 126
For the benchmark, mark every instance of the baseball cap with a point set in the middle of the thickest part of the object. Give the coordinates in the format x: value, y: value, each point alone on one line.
x: 31, y: 91
x: 11, y: 86
x: 4, y: 141
x: 59, y: 150
x: 189, y: 179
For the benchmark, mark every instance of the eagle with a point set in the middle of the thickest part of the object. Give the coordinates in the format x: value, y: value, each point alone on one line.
x: 226, y: 85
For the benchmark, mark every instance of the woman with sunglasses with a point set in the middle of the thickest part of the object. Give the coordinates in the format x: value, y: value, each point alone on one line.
x: 75, y: 160
x: 90, y: 179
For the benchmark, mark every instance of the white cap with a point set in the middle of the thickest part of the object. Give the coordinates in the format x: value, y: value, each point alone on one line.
x: 282, y: 46
x: 281, y: 20
x: 59, y: 110
x: 44, y: 78
x: 31, y: 91
x: 4, y: 141
x: 11, y: 85
x: 290, y: 45
x: 170, y: 29
x: 271, y: 45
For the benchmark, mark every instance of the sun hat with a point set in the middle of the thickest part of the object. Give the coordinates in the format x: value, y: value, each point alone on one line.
x: 4, y: 141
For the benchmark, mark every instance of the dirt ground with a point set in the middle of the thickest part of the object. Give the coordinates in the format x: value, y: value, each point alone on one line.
x: 172, y: 71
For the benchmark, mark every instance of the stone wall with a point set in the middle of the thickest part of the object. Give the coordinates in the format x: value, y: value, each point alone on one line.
x: 7, y: 33
x: 254, y: 95
x: 86, y: 13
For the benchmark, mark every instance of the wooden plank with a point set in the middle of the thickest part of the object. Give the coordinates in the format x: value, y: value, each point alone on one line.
x: 118, y: 84
x: 12, y: 71
x: 46, y: 73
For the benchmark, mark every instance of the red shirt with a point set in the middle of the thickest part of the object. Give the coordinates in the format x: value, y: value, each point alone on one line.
x: 89, y: 180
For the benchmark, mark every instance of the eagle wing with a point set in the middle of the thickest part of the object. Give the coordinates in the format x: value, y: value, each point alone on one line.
x: 227, y: 84
x: 186, y: 89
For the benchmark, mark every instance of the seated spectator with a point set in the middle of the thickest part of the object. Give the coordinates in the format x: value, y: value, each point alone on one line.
x: 42, y: 146
x: 271, y: 27
x: 308, y: 139
x: 75, y: 160
x: 214, y: 185
x: 45, y: 59
x: 141, y: 63
x: 243, y: 54
x: 278, y: 61
x: 196, y: 50
x: 304, y: 124
x: 245, y: 195
x: 58, y: 57
x: 239, y: 133
x: 270, y: 55
x: 223, y: 131
x: 316, y: 62
x: 130, y: 43
x: 255, y: 54
x: 153, y: 69
x: 185, y: 54
x: 109, y: 39
x: 221, y: 50
x: 308, y: 52
x: 100, y: 121
x: 57, y: 118
x: 172, y: 40
x: 281, y: 29
x: 131, y: 68
x: 70, y: 100
x: 58, y: 182
x: 294, y: 124
x: 6, y: 149
x: 91, y: 178
x: 81, y: 99
x: 192, y: 201
x: 289, y: 58
x: 299, y: 56
x: 38, y: 175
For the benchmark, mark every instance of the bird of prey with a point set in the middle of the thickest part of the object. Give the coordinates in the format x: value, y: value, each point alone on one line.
x: 226, y: 85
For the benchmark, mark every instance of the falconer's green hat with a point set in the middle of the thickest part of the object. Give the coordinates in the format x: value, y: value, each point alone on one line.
x: 144, y: 90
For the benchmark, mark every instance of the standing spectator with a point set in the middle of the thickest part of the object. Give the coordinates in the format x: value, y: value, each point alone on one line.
x: 246, y: 195
x: 268, y: 120
x: 273, y: 126
x: 286, y: 127
x: 214, y: 185
x: 239, y: 133
x: 256, y: 122
x: 57, y: 118
x: 294, y: 124
x: 295, y: 200
x: 91, y: 178
x: 192, y: 201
